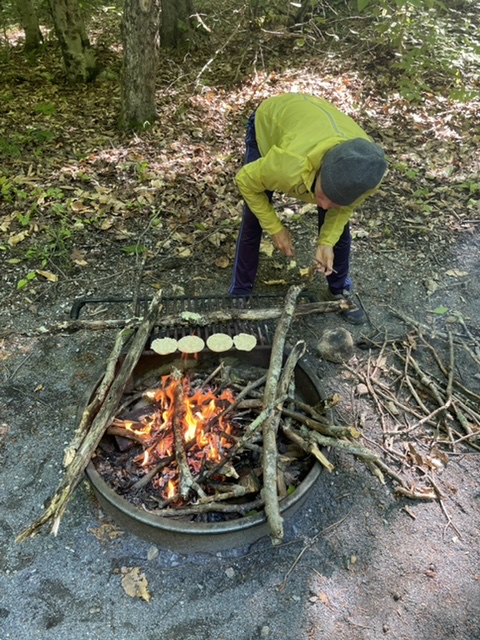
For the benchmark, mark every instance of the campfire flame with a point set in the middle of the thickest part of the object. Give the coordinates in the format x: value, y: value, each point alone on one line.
x: 204, y: 431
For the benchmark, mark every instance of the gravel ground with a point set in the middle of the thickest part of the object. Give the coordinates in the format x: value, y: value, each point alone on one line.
x: 357, y: 562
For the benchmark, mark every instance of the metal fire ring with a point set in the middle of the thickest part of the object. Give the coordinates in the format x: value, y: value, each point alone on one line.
x: 189, y: 537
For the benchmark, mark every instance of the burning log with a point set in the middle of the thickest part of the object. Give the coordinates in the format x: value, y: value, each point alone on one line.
x: 116, y: 429
x: 218, y: 468
x: 262, y: 417
x: 185, y: 477
x: 99, y: 424
x: 243, y: 442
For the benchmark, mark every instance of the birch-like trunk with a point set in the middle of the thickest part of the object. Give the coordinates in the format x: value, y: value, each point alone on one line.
x: 140, y: 51
x: 78, y: 57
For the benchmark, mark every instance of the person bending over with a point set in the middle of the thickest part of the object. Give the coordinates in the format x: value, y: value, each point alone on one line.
x: 305, y: 147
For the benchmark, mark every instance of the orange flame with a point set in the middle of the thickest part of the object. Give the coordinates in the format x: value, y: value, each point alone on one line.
x: 171, y: 489
x: 202, y: 435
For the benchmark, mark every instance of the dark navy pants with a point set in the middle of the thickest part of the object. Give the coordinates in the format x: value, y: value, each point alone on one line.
x: 247, y: 253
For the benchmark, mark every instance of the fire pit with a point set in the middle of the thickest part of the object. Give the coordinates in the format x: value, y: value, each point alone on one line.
x: 182, y: 534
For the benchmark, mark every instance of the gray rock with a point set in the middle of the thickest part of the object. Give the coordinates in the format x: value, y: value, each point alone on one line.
x: 336, y: 345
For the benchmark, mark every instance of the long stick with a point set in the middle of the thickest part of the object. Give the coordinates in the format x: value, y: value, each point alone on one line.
x: 74, y: 472
x: 270, y: 426
x: 204, y: 319
x: 121, y: 340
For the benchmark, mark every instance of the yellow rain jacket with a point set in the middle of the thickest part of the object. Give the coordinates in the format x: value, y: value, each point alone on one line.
x: 294, y: 132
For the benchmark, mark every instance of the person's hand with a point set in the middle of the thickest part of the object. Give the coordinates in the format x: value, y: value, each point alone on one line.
x: 283, y: 242
x: 323, y: 261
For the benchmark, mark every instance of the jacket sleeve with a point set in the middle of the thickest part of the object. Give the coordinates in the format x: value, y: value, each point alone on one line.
x: 332, y: 228
x: 249, y: 181
x: 278, y: 171
x: 336, y: 219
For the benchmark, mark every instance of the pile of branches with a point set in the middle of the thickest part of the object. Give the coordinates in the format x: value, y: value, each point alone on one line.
x: 426, y: 409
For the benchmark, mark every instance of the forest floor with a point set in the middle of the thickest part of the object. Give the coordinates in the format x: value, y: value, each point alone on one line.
x: 89, y: 212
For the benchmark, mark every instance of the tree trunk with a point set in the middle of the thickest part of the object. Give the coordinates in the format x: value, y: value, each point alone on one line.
x: 79, y: 58
x: 140, y: 58
x: 29, y: 22
x: 303, y: 10
x: 176, y: 23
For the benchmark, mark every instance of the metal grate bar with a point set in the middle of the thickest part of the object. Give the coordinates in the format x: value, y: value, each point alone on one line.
x: 262, y: 330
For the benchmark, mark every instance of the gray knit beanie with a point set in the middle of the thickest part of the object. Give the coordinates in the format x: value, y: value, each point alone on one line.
x: 350, y: 169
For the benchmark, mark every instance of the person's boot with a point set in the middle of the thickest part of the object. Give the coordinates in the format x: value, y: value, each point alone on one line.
x: 355, y: 315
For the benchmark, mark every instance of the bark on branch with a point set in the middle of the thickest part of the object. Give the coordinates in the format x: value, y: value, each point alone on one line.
x: 270, y: 427
x: 200, y: 320
x: 101, y: 420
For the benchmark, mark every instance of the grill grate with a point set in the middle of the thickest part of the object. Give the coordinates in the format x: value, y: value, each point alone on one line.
x: 262, y: 330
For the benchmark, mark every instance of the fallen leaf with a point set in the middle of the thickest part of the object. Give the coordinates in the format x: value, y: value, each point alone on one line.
x: 106, y: 532
x: 362, y: 233
x: 217, y: 238
x: 77, y: 206
x: 306, y: 272
x: 135, y: 583
x: 18, y: 237
x: 5, y: 225
x: 430, y: 285
x: 222, y: 262
x: 439, y: 311
x: 272, y: 283
x: 48, y: 275
x: 330, y: 402
x: 267, y: 248
x: 178, y: 290
x: 456, y: 273
x: 182, y: 237
x: 78, y: 258
x: 392, y: 408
